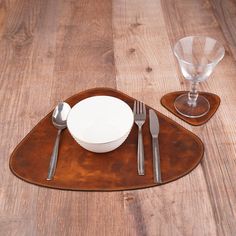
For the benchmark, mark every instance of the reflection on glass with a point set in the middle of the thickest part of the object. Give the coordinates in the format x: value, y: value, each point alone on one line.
x: 197, y: 57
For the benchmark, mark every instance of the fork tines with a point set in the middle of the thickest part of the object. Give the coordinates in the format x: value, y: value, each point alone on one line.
x: 139, y: 108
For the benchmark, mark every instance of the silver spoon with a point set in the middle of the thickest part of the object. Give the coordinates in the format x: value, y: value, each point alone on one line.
x: 59, y: 118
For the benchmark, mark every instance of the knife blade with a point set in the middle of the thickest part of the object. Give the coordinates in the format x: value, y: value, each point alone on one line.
x: 154, y: 130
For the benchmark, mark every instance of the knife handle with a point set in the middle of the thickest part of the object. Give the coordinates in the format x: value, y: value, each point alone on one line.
x: 140, y: 154
x: 156, y: 161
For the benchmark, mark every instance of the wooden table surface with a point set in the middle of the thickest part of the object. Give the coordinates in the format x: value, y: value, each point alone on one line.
x: 52, y: 49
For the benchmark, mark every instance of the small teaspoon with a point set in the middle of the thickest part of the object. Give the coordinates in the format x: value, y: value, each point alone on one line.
x: 59, y: 118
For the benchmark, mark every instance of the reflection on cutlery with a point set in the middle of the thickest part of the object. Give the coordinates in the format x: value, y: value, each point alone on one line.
x: 59, y: 117
x: 154, y: 129
x: 139, y: 119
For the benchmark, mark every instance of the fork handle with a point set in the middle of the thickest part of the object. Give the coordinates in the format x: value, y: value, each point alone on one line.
x: 140, y: 154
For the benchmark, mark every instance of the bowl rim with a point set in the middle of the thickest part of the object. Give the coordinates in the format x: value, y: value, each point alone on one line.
x: 126, y: 133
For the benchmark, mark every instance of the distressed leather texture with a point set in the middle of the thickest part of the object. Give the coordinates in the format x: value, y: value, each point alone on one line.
x: 78, y: 169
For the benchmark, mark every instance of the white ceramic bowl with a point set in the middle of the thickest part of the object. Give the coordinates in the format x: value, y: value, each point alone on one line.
x: 100, y: 123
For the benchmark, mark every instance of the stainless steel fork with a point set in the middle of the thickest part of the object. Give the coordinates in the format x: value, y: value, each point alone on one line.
x: 139, y: 119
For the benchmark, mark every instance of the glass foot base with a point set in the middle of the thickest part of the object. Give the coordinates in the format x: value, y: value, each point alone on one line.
x: 200, y: 109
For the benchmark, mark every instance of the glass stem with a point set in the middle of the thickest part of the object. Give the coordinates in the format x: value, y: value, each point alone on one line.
x: 193, y: 94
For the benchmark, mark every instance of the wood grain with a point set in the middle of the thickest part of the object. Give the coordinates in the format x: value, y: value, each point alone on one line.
x: 159, y: 26
x: 52, y: 49
x: 217, y: 176
x: 225, y: 13
x: 164, y: 78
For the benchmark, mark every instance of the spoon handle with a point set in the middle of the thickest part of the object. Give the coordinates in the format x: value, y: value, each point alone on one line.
x: 53, y: 161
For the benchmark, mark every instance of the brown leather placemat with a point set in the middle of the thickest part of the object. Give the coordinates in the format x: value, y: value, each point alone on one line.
x: 78, y: 169
x: 168, y: 102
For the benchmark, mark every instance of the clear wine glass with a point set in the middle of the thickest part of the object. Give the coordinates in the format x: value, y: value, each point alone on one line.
x: 197, y: 57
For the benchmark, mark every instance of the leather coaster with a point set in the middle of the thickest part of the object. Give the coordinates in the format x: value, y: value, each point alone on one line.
x: 168, y: 102
x: 78, y: 169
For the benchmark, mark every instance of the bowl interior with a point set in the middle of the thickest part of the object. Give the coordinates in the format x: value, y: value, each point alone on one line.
x: 100, y: 119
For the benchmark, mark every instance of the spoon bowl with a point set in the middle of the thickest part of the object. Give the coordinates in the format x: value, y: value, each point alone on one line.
x: 60, y: 114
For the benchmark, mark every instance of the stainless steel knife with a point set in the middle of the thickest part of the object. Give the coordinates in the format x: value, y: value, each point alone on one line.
x: 154, y: 130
